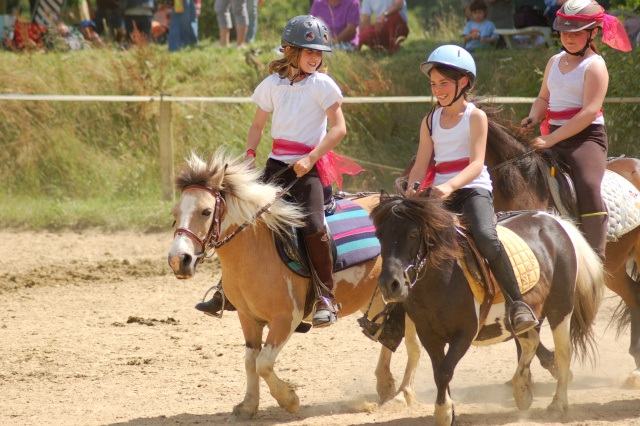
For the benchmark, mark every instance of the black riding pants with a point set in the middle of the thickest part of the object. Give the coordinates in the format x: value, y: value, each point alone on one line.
x: 307, y: 192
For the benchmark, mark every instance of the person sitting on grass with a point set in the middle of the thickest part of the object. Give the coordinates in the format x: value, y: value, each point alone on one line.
x: 479, y: 32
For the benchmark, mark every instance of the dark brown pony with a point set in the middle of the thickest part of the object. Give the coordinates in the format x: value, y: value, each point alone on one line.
x: 520, y: 183
x: 420, y: 269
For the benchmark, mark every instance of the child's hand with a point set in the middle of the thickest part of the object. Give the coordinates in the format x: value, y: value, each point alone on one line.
x: 441, y: 191
x: 302, y: 166
x: 540, y: 142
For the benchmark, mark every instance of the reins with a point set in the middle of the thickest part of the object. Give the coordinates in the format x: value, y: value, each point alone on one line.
x: 511, y: 160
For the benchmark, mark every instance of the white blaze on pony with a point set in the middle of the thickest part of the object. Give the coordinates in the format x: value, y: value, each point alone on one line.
x: 262, y: 288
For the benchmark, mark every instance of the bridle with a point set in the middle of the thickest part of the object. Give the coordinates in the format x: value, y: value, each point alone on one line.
x: 412, y: 273
x: 211, y: 238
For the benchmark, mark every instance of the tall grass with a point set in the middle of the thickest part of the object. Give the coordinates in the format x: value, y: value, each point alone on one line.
x: 81, y: 164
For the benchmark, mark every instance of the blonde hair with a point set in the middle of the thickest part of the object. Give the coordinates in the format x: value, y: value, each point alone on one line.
x: 288, y: 67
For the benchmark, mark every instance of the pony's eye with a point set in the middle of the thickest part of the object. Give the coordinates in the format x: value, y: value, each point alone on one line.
x: 207, y: 212
x: 413, y: 235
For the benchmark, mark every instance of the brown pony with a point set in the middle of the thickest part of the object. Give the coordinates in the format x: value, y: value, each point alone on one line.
x: 520, y: 182
x: 420, y: 268
x: 217, y: 198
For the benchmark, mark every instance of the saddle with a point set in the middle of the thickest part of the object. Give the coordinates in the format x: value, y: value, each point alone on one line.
x: 353, y: 241
x: 476, y: 269
x: 621, y: 198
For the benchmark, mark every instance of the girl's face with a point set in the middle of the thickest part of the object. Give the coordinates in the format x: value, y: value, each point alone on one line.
x: 444, y: 89
x: 574, y: 41
x: 310, y: 60
x: 478, y: 16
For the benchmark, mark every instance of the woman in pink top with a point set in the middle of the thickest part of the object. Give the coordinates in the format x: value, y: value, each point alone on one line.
x: 570, y: 102
x: 343, y: 18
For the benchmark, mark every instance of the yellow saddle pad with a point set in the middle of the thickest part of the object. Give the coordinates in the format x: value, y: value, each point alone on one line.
x: 523, y: 261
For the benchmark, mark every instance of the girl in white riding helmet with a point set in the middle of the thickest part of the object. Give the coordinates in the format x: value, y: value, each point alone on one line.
x: 455, y: 135
x: 570, y: 105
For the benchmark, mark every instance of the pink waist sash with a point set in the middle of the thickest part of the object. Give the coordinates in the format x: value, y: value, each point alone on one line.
x: 331, y: 166
x: 566, y: 114
x: 443, y: 167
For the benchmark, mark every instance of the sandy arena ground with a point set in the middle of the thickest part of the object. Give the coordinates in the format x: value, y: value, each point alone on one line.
x: 95, y: 330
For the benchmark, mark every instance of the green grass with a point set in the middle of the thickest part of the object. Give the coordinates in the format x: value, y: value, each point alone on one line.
x: 96, y: 164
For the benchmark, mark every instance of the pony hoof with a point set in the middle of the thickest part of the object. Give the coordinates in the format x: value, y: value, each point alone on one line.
x: 386, y: 391
x: 395, y: 404
x: 633, y: 380
x: 291, y: 403
x: 554, y: 412
x: 241, y: 413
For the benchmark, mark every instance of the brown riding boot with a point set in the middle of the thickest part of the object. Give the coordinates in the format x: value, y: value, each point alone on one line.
x: 319, y: 249
x: 522, y: 317
x: 214, y: 305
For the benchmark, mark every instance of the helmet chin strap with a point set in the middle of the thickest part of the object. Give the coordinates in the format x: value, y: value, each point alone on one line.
x: 584, y: 49
x: 455, y: 98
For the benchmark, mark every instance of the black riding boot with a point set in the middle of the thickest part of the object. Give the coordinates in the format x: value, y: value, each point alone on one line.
x: 522, y: 317
x: 214, y: 305
x: 319, y: 248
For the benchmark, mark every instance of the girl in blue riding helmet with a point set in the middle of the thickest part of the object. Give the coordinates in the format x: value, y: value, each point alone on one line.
x: 302, y: 98
x: 454, y: 134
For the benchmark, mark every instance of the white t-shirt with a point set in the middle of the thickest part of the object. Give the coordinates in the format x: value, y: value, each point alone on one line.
x: 566, y: 91
x: 454, y: 144
x: 377, y: 8
x: 299, y: 110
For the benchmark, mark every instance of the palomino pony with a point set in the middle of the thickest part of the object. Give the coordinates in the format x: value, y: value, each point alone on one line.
x: 218, y: 200
x: 522, y: 184
x: 420, y: 268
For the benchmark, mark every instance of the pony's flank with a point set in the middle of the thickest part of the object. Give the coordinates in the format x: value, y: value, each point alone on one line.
x: 244, y: 192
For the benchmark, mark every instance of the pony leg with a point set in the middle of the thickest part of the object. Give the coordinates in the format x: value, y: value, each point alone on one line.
x: 522, y: 392
x: 385, y: 383
x: 443, y: 368
x: 279, y: 332
x: 248, y: 408
x: 563, y: 352
x: 413, y: 357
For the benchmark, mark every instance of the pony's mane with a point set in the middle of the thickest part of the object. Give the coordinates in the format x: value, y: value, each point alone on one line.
x: 242, y: 190
x: 505, y: 142
x: 430, y: 214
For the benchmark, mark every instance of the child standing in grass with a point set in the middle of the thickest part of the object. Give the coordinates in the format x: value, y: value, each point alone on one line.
x: 479, y: 31
x: 456, y: 135
x: 573, y: 89
x: 302, y: 98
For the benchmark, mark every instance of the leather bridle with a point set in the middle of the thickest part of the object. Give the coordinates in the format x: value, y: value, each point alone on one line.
x: 213, y: 234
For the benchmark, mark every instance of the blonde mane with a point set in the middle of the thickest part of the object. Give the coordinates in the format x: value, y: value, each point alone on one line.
x: 242, y: 190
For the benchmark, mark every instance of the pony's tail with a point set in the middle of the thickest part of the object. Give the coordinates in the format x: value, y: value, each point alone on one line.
x: 588, y: 294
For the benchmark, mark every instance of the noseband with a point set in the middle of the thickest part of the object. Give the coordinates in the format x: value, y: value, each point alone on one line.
x: 413, y: 270
x: 211, y: 239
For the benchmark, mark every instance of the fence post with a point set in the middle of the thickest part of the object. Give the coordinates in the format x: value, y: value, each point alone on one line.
x: 166, y: 148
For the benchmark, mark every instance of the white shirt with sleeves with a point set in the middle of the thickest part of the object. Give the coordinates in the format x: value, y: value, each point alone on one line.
x: 377, y: 8
x: 566, y: 91
x: 454, y: 144
x: 299, y: 109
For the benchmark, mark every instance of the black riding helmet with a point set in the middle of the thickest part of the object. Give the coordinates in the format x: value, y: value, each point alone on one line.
x: 306, y: 32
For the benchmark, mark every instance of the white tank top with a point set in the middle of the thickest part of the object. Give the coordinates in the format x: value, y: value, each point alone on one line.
x: 454, y: 144
x: 567, y: 90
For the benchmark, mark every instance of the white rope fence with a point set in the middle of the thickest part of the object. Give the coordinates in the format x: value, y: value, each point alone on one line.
x: 165, y: 127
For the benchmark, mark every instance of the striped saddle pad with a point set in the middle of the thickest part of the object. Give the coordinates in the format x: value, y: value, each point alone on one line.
x: 353, y: 236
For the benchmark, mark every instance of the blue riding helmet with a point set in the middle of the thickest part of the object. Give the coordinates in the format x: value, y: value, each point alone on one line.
x: 307, y: 32
x: 452, y: 56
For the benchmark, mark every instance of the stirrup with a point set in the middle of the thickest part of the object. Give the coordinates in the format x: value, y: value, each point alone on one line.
x: 325, y: 313
x: 522, y: 318
x: 211, y: 307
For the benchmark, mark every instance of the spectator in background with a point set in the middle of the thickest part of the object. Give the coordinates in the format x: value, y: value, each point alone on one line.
x: 252, y: 10
x: 553, y: 6
x: 342, y: 17
x: 389, y: 28
x: 224, y: 9
x: 479, y: 32
x: 183, y: 25
x: 108, y: 18
x: 138, y: 15
x: 501, y: 12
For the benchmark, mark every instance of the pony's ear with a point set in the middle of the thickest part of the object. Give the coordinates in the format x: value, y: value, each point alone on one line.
x: 384, y: 195
x: 218, y: 178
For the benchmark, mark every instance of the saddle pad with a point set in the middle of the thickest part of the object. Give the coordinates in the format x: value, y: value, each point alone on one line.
x: 622, y: 200
x: 354, y: 237
x: 524, y: 263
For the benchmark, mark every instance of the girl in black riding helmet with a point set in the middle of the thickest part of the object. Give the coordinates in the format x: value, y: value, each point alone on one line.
x: 455, y: 134
x: 301, y: 98
x: 570, y: 102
